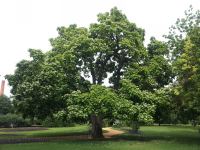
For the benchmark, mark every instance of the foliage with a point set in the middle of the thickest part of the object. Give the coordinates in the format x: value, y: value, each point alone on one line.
x: 106, y: 48
x: 154, y: 71
x: 143, y: 80
x: 187, y: 67
x: 24, y: 87
x: 100, y: 101
x: 184, y: 43
x: 142, y: 100
x: 38, y: 85
x: 179, y: 31
x: 55, y: 122
x: 164, y: 106
x: 5, y: 105
x: 13, y: 120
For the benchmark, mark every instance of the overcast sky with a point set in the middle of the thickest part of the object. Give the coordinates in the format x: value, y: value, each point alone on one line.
x: 28, y: 24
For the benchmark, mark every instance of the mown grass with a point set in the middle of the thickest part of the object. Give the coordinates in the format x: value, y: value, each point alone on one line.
x: 176, y: 134
x: 50, y: 132
x: 151, y: 138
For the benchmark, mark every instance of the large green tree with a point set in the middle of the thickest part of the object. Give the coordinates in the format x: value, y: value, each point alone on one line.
x: 187, y: 67
x: 105, y: 50
x: 110, y: 49
x: 183, y: 40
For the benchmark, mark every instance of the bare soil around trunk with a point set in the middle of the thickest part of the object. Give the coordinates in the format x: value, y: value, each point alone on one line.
x: 111, y: 132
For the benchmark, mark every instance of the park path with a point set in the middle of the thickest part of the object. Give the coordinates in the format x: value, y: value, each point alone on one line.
x: 109, y: 134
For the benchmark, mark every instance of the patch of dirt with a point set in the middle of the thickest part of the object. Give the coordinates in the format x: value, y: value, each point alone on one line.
x: 23, y: 129
x: 112, y: 132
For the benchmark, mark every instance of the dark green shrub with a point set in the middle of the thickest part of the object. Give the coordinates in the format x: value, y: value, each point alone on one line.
x: 48, y: 122
x: 56, y: 122
x: 5, y: 105
x: 13, y: 120
x: 52, y: 122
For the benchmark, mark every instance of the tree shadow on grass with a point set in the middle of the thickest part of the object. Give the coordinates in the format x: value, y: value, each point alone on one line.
x: 147, y: 138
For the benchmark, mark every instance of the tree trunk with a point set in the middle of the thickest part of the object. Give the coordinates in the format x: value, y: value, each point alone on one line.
x: 96, y: 122
x: 135, y: 127
x: 159, y: 121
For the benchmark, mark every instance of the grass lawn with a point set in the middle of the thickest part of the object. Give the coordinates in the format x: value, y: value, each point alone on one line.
x: 151, y: 138
x: 50, y: 132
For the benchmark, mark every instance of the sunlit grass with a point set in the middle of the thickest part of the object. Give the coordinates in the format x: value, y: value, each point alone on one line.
x: 150, y: 138
x: 50, y: 132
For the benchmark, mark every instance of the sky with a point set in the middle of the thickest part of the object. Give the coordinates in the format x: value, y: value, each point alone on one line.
x: 28, y: 24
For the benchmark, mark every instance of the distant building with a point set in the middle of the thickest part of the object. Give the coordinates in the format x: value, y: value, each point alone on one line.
x: 2, y: 87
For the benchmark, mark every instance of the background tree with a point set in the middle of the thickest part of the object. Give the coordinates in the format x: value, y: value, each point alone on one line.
x: 178, y: 31
x: 184, y: 43
x: 25, y: 88
x: 187, y: 67
x: 154, y: 71
x: 39, y: 85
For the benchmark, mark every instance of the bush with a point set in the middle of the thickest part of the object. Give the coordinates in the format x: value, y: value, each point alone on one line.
x: 13, y: 120
x: 5, y: 105
x: 48, y: 122
x: 55, y: 122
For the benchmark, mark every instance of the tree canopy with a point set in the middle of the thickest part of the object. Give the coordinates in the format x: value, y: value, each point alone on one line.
x: 106, y: 49
x: 184, y: 43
